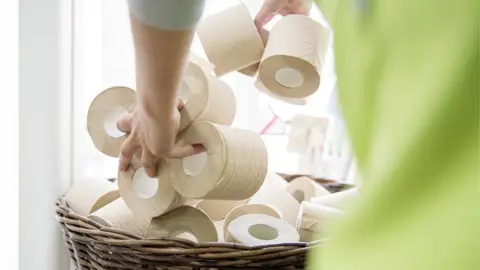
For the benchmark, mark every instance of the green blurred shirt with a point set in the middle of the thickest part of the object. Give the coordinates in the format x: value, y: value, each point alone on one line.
x: 409, y: 90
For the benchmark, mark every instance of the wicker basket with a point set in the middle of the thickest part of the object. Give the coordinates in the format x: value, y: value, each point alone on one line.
x: 93, y: 246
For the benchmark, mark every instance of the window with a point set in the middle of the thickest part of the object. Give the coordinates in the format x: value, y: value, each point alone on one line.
x: 103, y: 57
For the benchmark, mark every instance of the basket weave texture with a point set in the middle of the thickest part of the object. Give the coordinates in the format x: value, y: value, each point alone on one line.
x: 93, y: 246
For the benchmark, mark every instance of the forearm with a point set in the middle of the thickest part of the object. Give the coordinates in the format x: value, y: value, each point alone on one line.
x: 162, y: 34
x: 161, y: 57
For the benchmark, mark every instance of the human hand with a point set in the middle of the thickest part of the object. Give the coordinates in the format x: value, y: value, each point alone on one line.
x: 270, y: 8
x: 154, y: 138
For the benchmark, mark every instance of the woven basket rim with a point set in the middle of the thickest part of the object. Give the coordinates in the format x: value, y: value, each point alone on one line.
x: 63, y: 210
x: 94, y: 246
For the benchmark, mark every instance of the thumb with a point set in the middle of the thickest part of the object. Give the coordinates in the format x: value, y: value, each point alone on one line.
x: 263, y: 16
x: 181, y: 151
x: 268, y: 10
x: 180, y: 104
x: 124, y: 124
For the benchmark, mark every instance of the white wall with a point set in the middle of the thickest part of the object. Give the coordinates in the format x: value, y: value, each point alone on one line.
x: 45, y: 131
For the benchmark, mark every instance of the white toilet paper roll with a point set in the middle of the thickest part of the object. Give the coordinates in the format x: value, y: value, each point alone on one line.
x: 208, y: 98
x: 340, y: 200
x: 230, y: 39
x: 246, y: 209
x: 117, y: 215
x: 294, y: 56
x: 314, y: 220
x: 258, y: 229
x: 276, y: 180
x: 275, y: 195
x: 145, y: 196
x: 103, y: 113
x: 234, y: 165
x: 89, y: 194
x: 218, y: 209
x: 184, y: 219
x: 304, y: 189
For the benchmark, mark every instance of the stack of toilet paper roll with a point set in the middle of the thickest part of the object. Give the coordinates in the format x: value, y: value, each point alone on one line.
x: 188, y: 195
x: 287, y: 62
x: 278, y: 212
x: 225, y: 193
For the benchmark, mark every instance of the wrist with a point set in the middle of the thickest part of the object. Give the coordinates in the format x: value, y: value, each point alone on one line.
x: 160, y: 109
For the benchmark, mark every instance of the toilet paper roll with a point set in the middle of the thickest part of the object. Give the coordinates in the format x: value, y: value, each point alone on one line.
x: 293, y: 57
x: 103, y: 113
x: 304, y: 189
x: 117, y: 215
x: 294, y: 101
x: 258, y: 229
x: 275, y: 195
x: 276, y: 180
x: 90, y: 194
x: 314, y: 220
x: 252, y: 69
x: 187, y: 236
x: 218, y: 209
x: 246, y: 209
x: 230, y: 39
x: 234, y: 168
x: 340, y: 200
x: 192, y: 202
x: 205, y: 64
x: 184, y: 219
x: 220, y: 231
x: 145, y: 196
x: 208, y: 98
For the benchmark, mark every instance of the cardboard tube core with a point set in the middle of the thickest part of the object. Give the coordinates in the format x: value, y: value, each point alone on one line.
x: 289, y: 77
x: 110, y: 121
x: 299, y: 195
x: 144, y: 186
x: 263, y: 232
x: 194, y: 165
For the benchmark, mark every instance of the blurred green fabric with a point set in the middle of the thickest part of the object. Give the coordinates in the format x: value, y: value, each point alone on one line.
x: 409, y: 92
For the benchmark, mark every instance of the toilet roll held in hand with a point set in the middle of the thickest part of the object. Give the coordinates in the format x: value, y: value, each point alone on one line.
x: 235, y: 166
x: 252, y: 69
x: 110, y: 103
x: 148, y: 200
x: 230, y: 39
x: 293, y: 58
